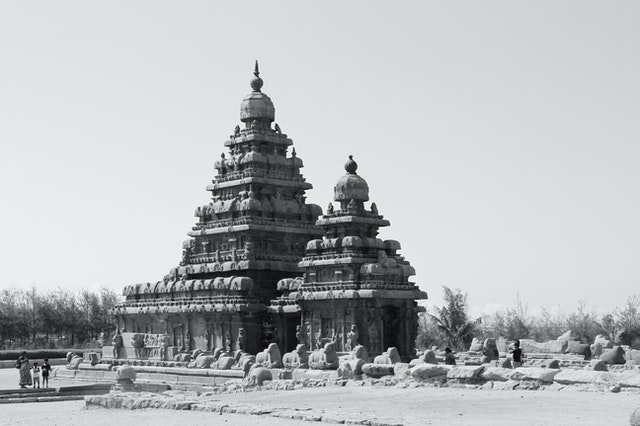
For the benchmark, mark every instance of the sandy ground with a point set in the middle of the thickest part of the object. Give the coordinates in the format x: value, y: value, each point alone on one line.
x: 411, y: 406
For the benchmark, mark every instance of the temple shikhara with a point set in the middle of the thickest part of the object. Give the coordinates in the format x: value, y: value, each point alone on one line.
x: 263, y: 266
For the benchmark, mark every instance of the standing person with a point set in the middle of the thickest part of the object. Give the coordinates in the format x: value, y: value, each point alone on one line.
x: 449, y: 358
x: 46, y: 367
x: 516, y: 354
x: 25, y: 370
x: 35, y: 375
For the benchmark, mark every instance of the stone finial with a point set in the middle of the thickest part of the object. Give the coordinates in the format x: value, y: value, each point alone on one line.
x: 351, y: 166
x: 256, y: 81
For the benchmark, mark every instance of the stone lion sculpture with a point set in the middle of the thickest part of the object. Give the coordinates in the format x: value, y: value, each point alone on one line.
x: 297, y: 358
x: 204, y: 361
x: 240, y: 358
x: 224, y: 363
x: 325, y: 358
x: 257, y: 374
x: 351, y: 365
x: 270, y: 357
x: 126, y: 372
x: 427, y: 357
x: 391, y: 356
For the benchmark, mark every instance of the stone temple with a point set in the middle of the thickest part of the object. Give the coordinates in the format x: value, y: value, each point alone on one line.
x: 263, y: 266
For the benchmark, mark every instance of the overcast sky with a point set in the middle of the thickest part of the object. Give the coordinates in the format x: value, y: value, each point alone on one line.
x: 501, y: 139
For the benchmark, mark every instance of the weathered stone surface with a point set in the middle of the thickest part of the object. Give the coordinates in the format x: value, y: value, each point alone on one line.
x: 325, y: 358
x: 429, y: 357
x: 496, y: 374
x: 465, y: 373
x: 531, y: 346
x: 558, y: 346
x: 402, y: 370
x: 568, y: 335
x: 552, y: 363
x: 428, y: 371
x: 204, y: 361
x: 258, y: 375
x: 126, y: 372
x: 476, y: 345
x: 603, y: 341
x: 633, y: 355
x: 391, y: 356
x: 270, y: 357
x: 614, y: 355
x: 634, y: 420
x: 505, y: 363
x: 508, y: 385
x: 297, y: 358
x: 578, y: 348
x: 534, y: 373
x: 377, y: 370
x: 629, y: 379
x: 597, y: 365
x: 572, y: 377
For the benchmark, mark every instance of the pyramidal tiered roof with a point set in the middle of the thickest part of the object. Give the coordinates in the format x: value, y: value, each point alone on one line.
x: 349, y: 260
x: 252, y: 233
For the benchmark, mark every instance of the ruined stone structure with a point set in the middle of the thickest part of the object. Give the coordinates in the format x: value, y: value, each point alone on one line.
x: 236, y: 284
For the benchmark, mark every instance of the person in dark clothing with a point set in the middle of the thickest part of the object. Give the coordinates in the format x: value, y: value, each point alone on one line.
x: 516, y: 354
x: 46, y: 367
x: 449, y: 358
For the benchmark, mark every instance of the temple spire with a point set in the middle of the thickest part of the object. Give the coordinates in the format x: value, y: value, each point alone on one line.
x: 256, y: 81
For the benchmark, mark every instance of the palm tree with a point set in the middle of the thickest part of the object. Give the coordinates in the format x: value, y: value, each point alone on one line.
x: 452, y: 320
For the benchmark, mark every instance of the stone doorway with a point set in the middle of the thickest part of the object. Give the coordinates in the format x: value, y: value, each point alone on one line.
x: 391, y: 327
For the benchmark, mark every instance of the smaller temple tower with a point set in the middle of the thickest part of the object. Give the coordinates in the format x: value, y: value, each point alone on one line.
x: 354, y: 278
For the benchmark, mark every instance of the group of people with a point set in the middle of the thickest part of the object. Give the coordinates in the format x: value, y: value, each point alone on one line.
x: 30, y: 374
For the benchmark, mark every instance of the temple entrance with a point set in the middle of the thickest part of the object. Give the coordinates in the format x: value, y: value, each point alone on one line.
x: 290, y: 340
x: 391, y: 329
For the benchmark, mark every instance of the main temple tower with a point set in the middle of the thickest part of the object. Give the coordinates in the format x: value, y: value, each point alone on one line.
x: 250, y: 235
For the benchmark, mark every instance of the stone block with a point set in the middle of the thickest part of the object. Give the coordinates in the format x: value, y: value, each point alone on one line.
x: 535, y: 373
x: 476, y: 345
x: 573, y: 377
x: 496, y: 374
x: 614, y: 355
x: 552, y: 363
x: 402, y: 370
x: 508, y: 385
x: 634, y: 420
x: 377, y: 370
x: 465, y: 373
x: 558, y: 346
x: 633, y: 355
x: 629, y: 379
x: 575, y: 347
x: 597, y: 365
x: 428, y: 371
x: 505, y: 363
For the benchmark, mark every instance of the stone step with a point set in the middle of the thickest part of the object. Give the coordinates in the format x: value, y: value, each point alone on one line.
x: 54, y: 398
x: 63, y: 393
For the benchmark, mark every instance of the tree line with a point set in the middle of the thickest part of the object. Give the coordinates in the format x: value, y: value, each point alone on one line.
x: 450, y: 324
x: 55, y: 319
